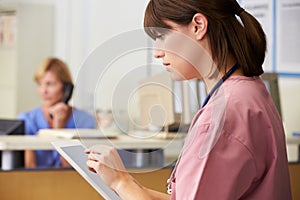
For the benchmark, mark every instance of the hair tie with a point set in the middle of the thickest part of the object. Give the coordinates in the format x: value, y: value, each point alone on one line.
x: 238, y: 8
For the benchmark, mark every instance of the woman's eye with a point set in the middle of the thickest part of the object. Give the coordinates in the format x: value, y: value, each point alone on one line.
x: 160, y: 37
x: 51, y: 84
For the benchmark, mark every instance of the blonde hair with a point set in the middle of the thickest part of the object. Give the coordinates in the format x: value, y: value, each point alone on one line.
x: 55, y: 65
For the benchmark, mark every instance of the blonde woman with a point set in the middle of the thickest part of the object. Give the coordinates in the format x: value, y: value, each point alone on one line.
x: 52, y: 78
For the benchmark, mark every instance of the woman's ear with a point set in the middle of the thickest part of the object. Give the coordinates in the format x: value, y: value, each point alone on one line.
x: 199, y: 24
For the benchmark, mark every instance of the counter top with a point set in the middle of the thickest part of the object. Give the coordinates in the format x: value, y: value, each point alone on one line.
x: 169, y: 147
x: 122, y: 141
x: 292, y: 147
x: 293, y: 140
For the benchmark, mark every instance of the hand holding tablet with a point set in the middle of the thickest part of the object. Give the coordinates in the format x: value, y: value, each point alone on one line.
x: 74, y: 152
x: 106, y: 162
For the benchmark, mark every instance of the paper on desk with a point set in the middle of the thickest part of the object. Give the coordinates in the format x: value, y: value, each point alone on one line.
x: 77, y: 133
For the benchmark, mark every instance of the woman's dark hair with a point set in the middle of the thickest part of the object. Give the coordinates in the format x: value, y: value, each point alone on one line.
x: 245, y: 40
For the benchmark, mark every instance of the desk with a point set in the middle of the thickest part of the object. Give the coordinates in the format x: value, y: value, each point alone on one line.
x: 171, y: 147
x: 69, y: 184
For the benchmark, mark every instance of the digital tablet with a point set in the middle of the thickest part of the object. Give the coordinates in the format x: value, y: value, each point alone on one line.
x: 73, y: 152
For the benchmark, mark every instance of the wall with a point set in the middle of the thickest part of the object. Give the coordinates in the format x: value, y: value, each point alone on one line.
x: 18, y: 61
x: 81, y: 26
x: 7, y: 78
x: 289, y: 88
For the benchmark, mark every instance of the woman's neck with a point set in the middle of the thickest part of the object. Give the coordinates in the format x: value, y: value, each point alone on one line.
x: 211, y: 81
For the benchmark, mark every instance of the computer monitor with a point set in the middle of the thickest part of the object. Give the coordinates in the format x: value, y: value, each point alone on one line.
x: 167, y: 103
x: 159, y: 103
x: 13, y: 127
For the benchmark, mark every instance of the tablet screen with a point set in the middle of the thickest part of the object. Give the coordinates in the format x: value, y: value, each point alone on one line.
x: 74, y: 154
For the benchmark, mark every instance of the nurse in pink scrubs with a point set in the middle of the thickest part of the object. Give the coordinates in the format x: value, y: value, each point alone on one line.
x: 235, y: 148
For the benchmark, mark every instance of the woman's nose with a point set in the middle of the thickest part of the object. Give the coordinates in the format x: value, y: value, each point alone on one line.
x: 159, y: 49
x: 42, y: 89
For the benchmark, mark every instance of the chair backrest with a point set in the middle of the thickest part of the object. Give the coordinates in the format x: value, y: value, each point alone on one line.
x: 271, y: 82
x: 270, y: 79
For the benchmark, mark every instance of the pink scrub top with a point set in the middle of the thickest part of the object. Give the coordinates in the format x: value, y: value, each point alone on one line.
x: 235, y: 148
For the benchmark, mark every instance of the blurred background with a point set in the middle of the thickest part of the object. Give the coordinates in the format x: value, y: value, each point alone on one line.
x: 73, y: 29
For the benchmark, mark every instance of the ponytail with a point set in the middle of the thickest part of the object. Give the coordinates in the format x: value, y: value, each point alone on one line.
x: 256, y: 44
x: 250, y: 53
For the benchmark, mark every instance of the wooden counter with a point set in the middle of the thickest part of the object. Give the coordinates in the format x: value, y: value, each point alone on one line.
x: 63, y: 184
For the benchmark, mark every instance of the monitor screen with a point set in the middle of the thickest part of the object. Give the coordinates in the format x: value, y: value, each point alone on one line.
x: 156, y: 97
x: 167, y: 103
x: 13, y: 127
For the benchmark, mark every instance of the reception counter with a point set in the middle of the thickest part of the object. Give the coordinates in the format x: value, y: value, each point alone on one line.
x: 68, y: 184
x: 166, y: 150
x: 63, y: 184
x: 20, y: 142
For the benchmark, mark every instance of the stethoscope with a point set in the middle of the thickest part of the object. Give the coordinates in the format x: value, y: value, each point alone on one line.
x: 218, y: 84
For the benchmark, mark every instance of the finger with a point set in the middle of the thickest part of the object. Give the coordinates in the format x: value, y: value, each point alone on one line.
x: 105, y: 150
x: 91, y: 169
x: 94, y: 166
x: 95, y: 149
x: 90, y: 166
x: 98, y: 149
x: 94, y: 157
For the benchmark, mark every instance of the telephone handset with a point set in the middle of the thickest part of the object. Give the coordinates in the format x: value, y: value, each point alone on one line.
x: 68, y: 90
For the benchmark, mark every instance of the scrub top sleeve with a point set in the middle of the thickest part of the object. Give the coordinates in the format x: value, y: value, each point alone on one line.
x: 29, y: 130
x: 83, y: 120
x: 229, y: 173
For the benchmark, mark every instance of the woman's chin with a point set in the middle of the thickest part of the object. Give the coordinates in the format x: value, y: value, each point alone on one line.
x: 177, y: 77
x: 48, y: 103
